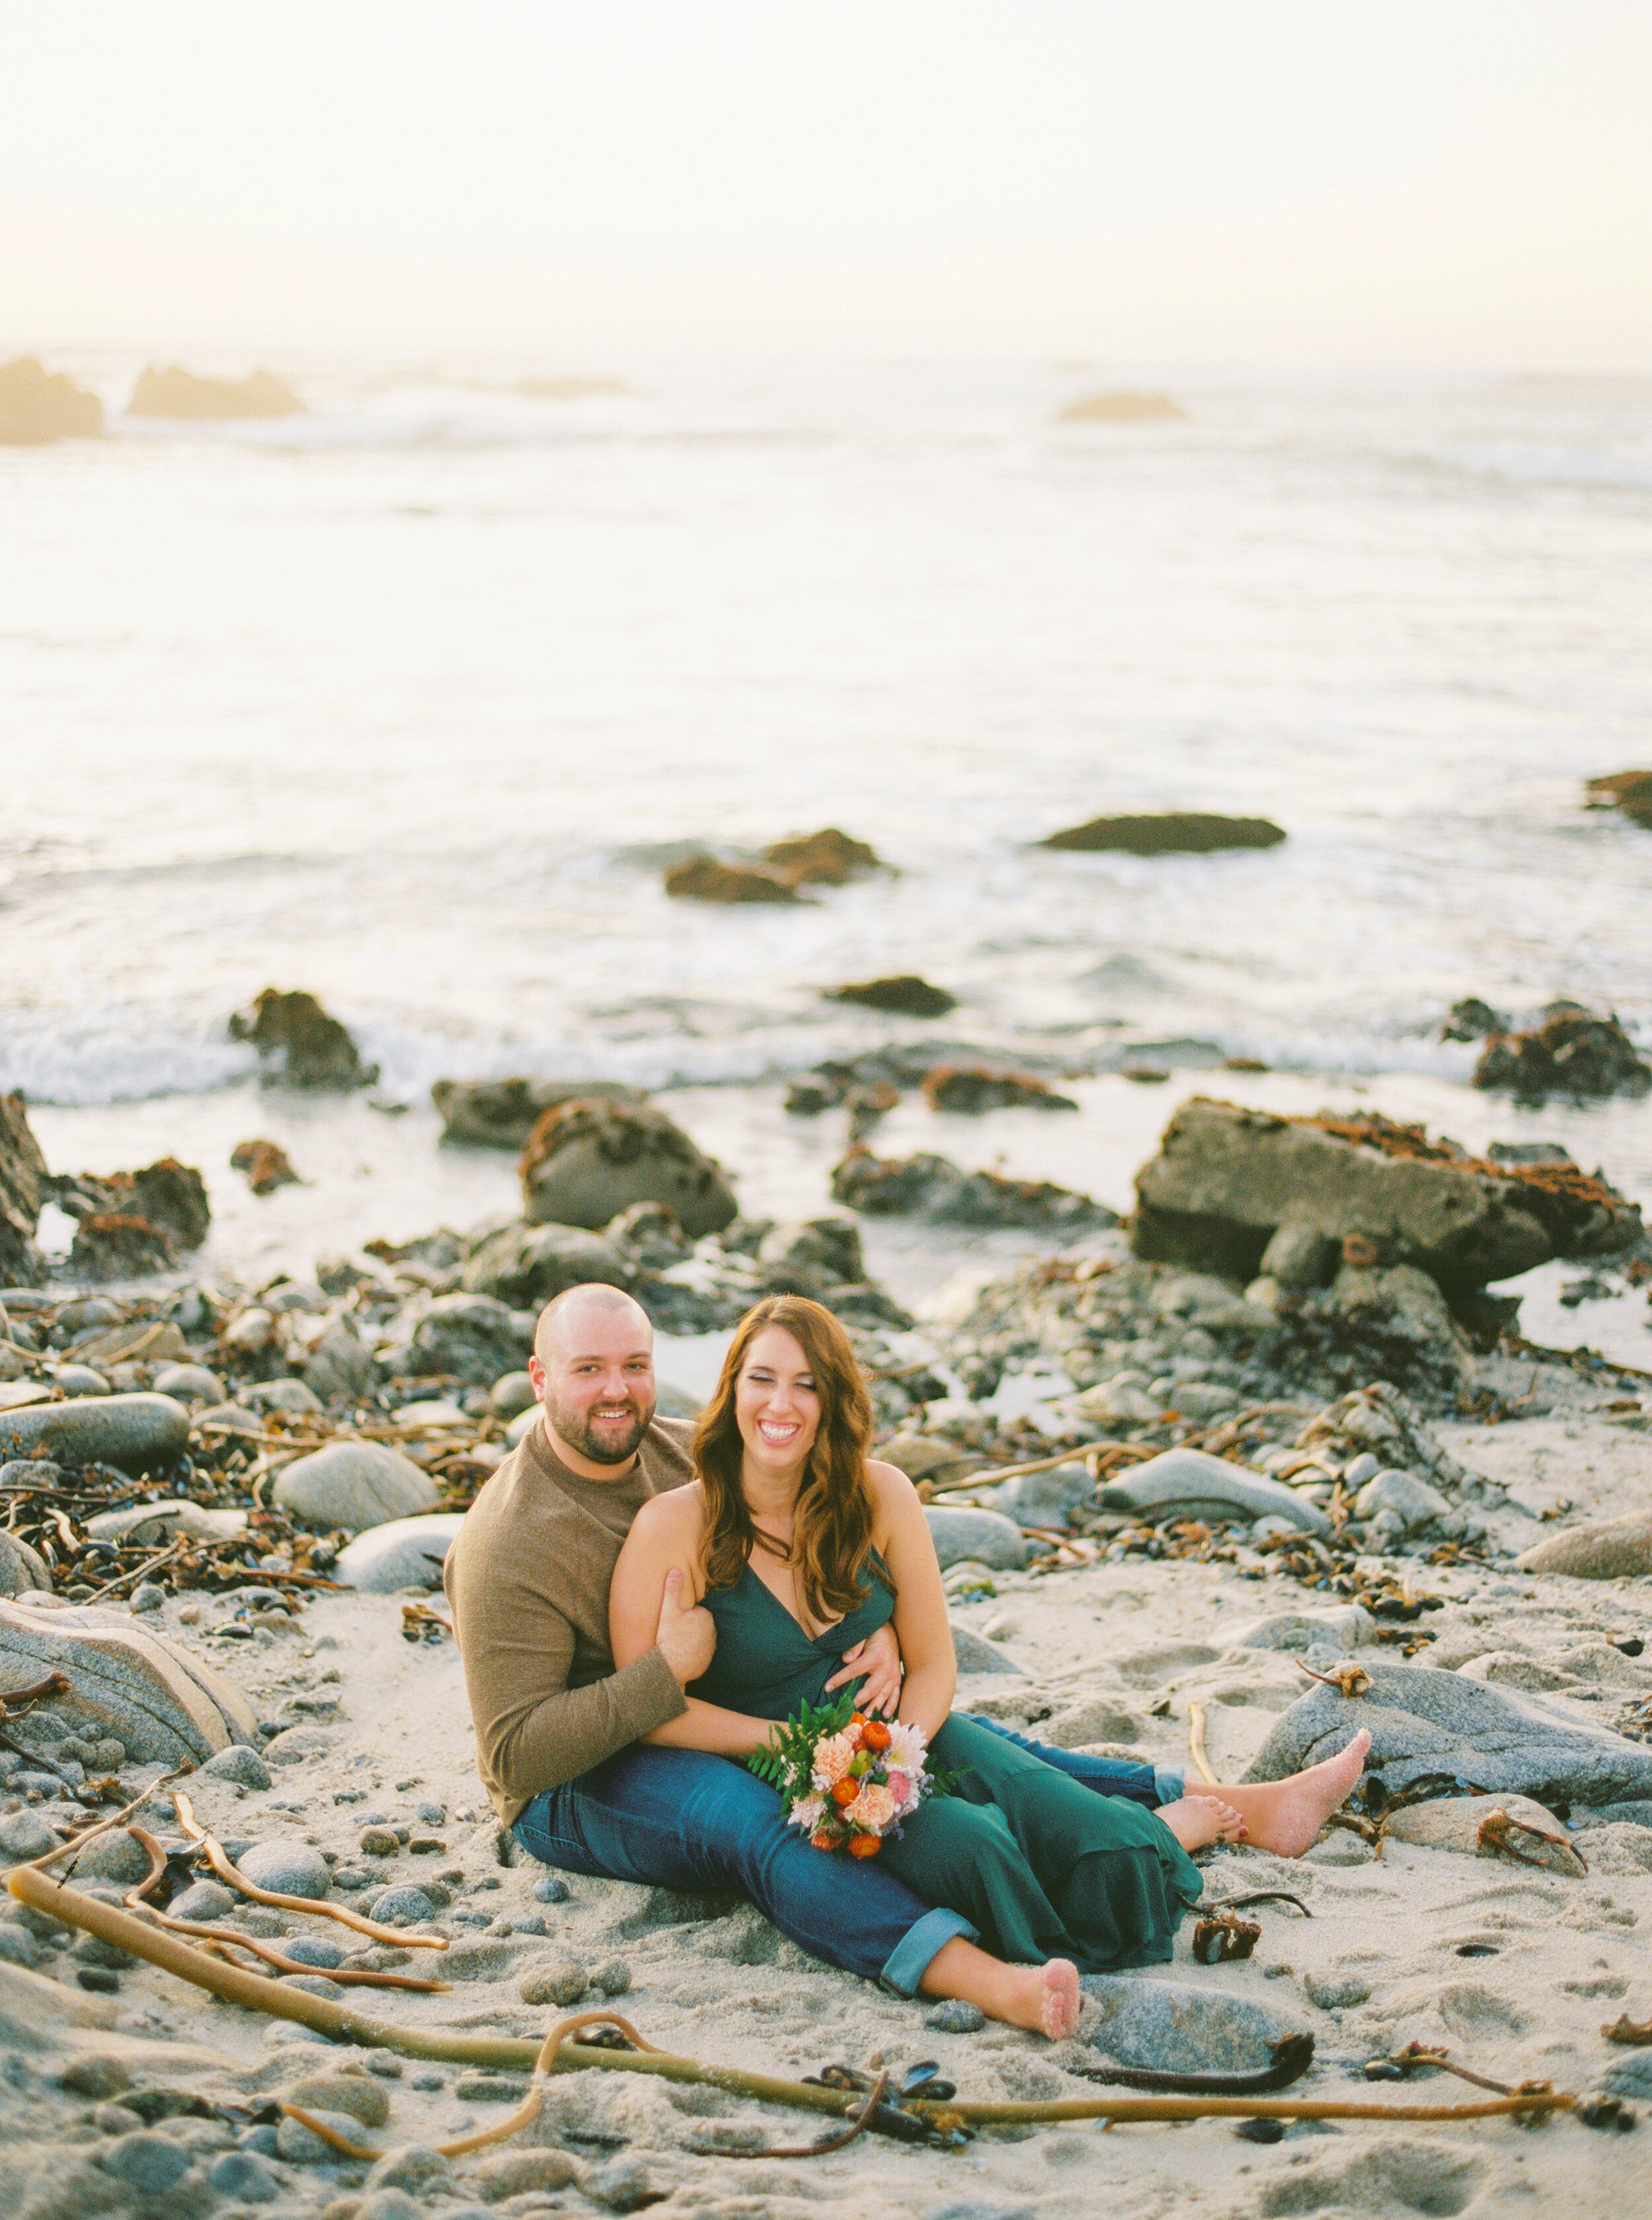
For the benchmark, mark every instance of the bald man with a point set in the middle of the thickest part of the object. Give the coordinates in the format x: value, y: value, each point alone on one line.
x: 559, y: 1730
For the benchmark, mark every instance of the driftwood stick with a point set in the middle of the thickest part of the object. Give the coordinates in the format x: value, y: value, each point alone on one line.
x: 1196, y: 1740
x: 221, y: 1864
x: 511, y: 2053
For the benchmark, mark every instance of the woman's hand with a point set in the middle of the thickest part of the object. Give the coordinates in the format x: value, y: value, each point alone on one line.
x: 878, y: 1660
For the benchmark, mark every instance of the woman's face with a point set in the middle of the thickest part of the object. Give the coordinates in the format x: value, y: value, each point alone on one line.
x: 777, y: 1405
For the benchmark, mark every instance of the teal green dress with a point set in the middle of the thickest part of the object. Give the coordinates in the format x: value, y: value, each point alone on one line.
x: 1042, y: 1865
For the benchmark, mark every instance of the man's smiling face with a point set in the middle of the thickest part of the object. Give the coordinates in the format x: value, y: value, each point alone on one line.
x: 593, y: 1369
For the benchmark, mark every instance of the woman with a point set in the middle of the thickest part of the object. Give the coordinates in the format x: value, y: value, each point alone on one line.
x: 798, y: 1543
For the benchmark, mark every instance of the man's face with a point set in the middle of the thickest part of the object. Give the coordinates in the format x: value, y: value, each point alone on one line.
x: 597, y: 1384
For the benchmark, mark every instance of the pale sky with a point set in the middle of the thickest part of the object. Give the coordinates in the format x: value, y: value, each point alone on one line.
x: 1458, y: 182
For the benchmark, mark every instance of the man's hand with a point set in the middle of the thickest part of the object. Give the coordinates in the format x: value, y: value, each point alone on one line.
x: 879, y: 1659
x: 687, y: 1635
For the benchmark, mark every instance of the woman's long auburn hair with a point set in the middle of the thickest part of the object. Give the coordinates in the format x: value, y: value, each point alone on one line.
x: 832, y: 1536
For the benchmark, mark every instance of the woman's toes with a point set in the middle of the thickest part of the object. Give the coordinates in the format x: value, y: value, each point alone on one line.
x: 1061, y: 1999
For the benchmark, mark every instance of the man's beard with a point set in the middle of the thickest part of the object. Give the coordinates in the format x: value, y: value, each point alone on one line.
x: 573, y: 1428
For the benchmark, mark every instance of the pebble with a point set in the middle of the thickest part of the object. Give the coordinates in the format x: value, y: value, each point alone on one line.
x: 150, y: 2165
x: 355, y: 2093
x: 23, y: 1836
x: 148, y: 1595
x: 93, y: 2074
x: 387, y: 2205
x: 401, y: 1553
x: 1336, y: 1992
x: 432, y: 1814
x: 1194, y: 1484
x: 287, y: 1868
x: 190, y: 1383
x: 313, y: 1985
x: 1606, y: 1549
x: 613, y: 1977
x: 514, y: 2173
x: 136, y: 1433
x: 954, y: 2016
x: 550, y: 1888
x: 290, y: 1395
x: 413, y: 2167
x: 475, y: 1958
x: 401, y: 1907
x: 553, y: 1982
x: 300, y: 2146
x: 1411, y: 1501
x: 489, y: 2089
x: 310, y: 1950
x: 240, y: 1764
x: 243, y: 2175
x: 380, y: 1842
x: 202, y: 1900
x: 115, y: 1856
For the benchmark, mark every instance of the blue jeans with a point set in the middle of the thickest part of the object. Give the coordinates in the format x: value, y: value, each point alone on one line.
x: 683, y: 1819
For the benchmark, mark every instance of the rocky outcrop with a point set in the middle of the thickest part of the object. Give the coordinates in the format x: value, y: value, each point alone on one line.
x: 1628, y: 791
x: 38, y: 405
x: 587, y: 1161
x: 298, y: 1043
x: 904, y: 995
x: 1111, y: 406
x: 22, y: 1170
x: 165, y: 1706
x: 178, y: 393
x: 825, y: 859
x: 500, y: 1113
x: 703, y: 878
x: 1570, y: 1053
x: 933, y: 1188
x: 527, y: 1265
x: 135, y: 1433
x: 129, y: 1224
x: 459, y: 1337
x: 1175, y: 833
x: 970, y: 1089
x: 118, y: 1244
x: 1425, y: 1721
x: 1227, y: 1179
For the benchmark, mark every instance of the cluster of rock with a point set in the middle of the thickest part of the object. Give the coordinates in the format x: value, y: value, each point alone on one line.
x: 933, y: 1188
x: 127, y: 1224
x: 1571, y: 1052
x: 184, y: 394
x: 299, y: 1044
x: 38, y: 405
x: 827, y: 859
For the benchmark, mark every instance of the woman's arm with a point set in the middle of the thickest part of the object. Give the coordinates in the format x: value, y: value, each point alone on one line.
x: 920, y: 1619
x: 664, y: 1537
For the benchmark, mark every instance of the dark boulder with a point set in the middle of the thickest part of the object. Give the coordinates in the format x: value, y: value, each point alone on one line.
x: 1226, y: 1179
x: 178, y: 393
x: 500, y: 1113
x: 702, y: 878
x: 905, y: 996
x: 1471, y: 1020
x: 137, y: 1433
x: 825, y: 859
x: 1571, y: 1053
x: 116, y: 1244
x: 585, y: 1162
x: 527, y: 1265
x: 171, y: 1198
x: 970, y: 1089
x: 933, y: 1188
x: 300, y: 1044
x: 1174, y: 832
x: 37, y: 405
x: 266, y: 1165
x: 22, y: 1172
x: 1628, y: 791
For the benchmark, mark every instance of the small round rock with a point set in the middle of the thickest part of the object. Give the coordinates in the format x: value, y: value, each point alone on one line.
x: 354, y: 2093
x: 202, y: 1900
x: 240, y: 1764
x: 287, y: 1868
x: 550, y: 1888
x: 380, y: 1842
x: 401, y: 1907
x: 613, y: 1978
x: 554, y: 1981
x: 954, y: 2016
x: 149, y: 2164
x: 148, y: 1595
x: 301, y: 2146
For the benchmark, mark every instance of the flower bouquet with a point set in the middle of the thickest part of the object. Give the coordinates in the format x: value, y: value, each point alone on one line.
x: 848, y: 1781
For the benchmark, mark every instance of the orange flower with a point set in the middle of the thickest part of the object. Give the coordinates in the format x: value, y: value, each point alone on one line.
x: 844, y: 1792
x: 857, y: 1721
x: 875, y: 1735
x: 821, y: 1839
x: 864, y: 1846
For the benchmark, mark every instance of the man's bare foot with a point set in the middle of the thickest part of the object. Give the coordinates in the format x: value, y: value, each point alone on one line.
x: 1061, y: 1999
x: 1044, y: 1999
x: 1285, y: 1816
x: 1197, y: 1820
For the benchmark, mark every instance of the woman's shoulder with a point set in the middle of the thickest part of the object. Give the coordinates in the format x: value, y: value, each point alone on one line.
x: 888, y: 1482
x: 677, y: 1514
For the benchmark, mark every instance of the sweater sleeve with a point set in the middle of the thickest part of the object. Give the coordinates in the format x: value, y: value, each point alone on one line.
x: 532, y: 1730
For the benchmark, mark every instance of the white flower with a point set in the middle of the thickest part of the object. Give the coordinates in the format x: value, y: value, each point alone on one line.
x: 908, y: 1746
x: 806, y: 1813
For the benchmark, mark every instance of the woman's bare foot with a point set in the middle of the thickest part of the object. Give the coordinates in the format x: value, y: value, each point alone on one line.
x: 1285, y: 1816
x: 1199, y: 1820
x: 1059, y: 2016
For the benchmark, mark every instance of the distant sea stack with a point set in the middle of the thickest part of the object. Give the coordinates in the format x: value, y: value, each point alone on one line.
x: 1118, y: 407
x: 1172, y: 833
x: 1628, y: 791
x: 177, y: 393
x: 38, y: 405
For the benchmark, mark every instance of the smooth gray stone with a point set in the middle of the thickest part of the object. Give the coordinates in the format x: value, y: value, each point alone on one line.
x: 511, y: 1393
x: 1045, y: 1499
x: 974, y: 1654
x: 1193, y: 1484
x: 301, y: 2146
x: 244, y: 2176
x: 1635, y: 1812
x: 1299, y: 1631
x: 21, y: 1568
x: 113, y: 1856
x: 148, y: 2164
x: 78, y: 1380
x: 352, y: 1486
x: 135, y: 1433
x: 1412, y: 1502
x: 308, y: 1950
x: 522, y: 1423
x: 1181, y: 2027
x: 24, y: 1835
x: 290, y: 1395
x: 401, y: 1907
x: 412, y: 2166
x: 239, y: 1764
x: 293, y: 1744
x: 483, y: 1960
x: 203, y: 1901
x: 288, y: 1868
x: 1628, y: 2075
x: 473, y: 1337
x: 126, y: 1680
x: 403, y: 1553
x: 953, y: 2015
x: 1425, y: 1721
x: 190, y: 1383
x: 987, y: 1536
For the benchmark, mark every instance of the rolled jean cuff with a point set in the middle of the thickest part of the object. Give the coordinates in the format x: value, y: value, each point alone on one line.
x: 906, y: 1964
x: 1170, y: 1783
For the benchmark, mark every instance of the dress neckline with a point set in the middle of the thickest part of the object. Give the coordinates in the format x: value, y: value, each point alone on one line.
x: 748, y: 1572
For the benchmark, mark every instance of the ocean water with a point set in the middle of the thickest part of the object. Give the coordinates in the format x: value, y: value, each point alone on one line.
x: 405, y: 700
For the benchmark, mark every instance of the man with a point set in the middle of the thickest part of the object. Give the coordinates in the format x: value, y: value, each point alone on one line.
x: 558, y: 1729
